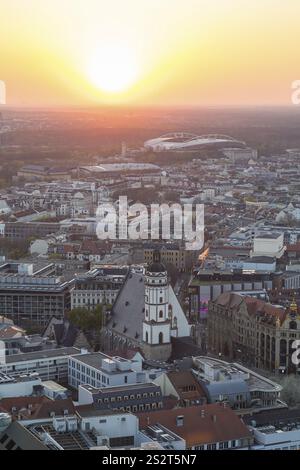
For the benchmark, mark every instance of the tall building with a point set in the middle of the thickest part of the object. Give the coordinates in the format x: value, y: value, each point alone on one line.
x: 158, y: 320
x: 146, y: 314
x: 254, y: 332
x: 32, y: 295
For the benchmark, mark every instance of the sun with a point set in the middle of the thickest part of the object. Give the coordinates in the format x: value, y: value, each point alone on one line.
x: 113, y: 68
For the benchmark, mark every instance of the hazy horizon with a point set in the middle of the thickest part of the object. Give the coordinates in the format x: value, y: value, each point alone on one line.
x: 174, y: 53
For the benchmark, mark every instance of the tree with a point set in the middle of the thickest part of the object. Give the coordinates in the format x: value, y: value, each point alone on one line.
x: 87, y: 319
x: 291, y: 390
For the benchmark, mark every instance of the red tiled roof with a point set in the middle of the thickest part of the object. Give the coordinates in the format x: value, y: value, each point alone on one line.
x: 201, y: 424
x: 41, y: 407
x: 295, y: 247
x: 254, y: 306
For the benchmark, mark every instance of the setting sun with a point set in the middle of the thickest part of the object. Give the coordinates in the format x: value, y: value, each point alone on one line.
x: 113, y: 69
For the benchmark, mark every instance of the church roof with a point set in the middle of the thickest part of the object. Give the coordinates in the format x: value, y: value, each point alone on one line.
x: 128, y: 309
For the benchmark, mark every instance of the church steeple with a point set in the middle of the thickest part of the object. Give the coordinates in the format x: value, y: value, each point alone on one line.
x: 157, y: 266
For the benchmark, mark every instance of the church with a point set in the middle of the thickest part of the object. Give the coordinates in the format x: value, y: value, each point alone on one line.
x: 146, y: 314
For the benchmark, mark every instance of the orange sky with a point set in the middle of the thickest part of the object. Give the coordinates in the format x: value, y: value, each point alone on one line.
x: 171, y: 52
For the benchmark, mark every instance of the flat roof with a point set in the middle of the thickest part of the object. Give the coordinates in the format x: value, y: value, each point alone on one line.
x: 95, y: 360
x: 44, y: 354
x: 120, y: 388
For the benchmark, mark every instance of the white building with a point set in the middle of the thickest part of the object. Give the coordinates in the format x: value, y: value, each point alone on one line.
x: 51, y: 364
x: 163, y: 317
x: 18, y: 386
x: 268, y: 244
x: 269, y: 437
x: 99, y: 370
x: 110, y: 428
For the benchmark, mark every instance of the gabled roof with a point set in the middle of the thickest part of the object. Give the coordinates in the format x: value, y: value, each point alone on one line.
x: 128, y: 309
x: 201, y: 424
x: 187, y: 387
x: 40, y: 407
x: 254, y: 306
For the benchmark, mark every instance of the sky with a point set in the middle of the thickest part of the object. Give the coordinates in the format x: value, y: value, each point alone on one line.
x: 149, y: 52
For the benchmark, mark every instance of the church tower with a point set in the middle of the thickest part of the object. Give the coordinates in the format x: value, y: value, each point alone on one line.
x: 157, y: 322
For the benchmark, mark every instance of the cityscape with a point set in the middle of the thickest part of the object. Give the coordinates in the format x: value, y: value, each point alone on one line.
x: 170, y: 324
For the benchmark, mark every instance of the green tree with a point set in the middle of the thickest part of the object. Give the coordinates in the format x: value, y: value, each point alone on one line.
x: 86, y: 319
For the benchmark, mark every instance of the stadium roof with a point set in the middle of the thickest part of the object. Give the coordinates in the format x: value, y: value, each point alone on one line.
x: 185, y: 140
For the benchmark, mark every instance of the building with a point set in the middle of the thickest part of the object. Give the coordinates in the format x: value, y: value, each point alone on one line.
x: 183, y: 386
x: 268, y: 244
x: 31, y: 294
x: 65, y: 334
x: 236, y: 155
x: 159, y: 437
x: 108, y: 428
x: 98, y: 286
x: 184, y: 141
x: 11, y: 335
x: 207, y: 427
x: 50, y: 364
x: 18, y: 386
x: 112, y: 171
x: 275, y: 430
x: 99, y: 370
x: 20, y: 231
x: 146, y: 314
x: 241, y: 388
x: 43, y: 173
x: 253, y: 331
x: 208, y: 284
x: 17, y: 437
x: 133, y: 398
x: 37, y: 408
x: 170, y: 253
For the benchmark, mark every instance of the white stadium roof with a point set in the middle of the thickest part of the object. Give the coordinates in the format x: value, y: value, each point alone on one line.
x: 185, y: 140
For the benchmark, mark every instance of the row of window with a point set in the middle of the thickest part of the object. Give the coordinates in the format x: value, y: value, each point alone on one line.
x: 128, y: 397
x: 215, y: 446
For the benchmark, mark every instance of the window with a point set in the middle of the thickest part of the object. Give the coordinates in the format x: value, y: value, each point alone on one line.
x: 10, y: 444
x: 211, y: 446
x: 125, y: 379
x: 161, y: 314
x: 3, y: 438
x: 160, y: 338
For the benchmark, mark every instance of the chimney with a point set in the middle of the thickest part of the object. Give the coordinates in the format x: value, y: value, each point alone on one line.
x: 179, y: 420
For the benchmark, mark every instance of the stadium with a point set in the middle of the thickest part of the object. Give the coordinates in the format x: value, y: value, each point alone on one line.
x: 182, y: 141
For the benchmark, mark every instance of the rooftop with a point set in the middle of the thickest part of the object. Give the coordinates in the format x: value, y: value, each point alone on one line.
x: 40, y: 355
